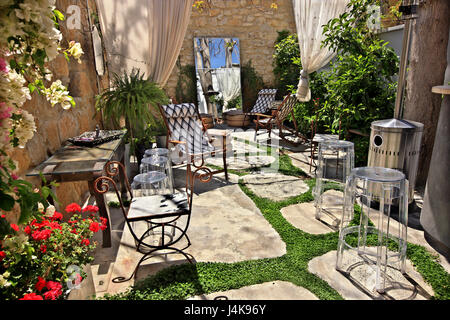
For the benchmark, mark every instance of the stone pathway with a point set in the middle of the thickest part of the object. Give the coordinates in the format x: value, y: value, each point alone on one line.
x: 302, y: 215
x: 275, y: 186
x: 226, y: 226
x: 277, y: 290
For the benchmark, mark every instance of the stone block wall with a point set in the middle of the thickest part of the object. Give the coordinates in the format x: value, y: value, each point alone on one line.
x: 252, y: 21
x: 55, y: 125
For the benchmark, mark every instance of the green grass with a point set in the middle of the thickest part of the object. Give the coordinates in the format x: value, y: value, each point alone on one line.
x: 183, y: 281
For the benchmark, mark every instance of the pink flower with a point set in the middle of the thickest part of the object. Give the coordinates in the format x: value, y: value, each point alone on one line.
x: 3, y: 65
x: 5, y: 113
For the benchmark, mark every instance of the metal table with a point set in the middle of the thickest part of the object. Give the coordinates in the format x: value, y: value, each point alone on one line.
x: 74, y: 163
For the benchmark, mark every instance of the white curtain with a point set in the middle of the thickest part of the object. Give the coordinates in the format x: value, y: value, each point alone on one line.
x: 229, y: 83
x: 310, y: 16
x: 144, y: 34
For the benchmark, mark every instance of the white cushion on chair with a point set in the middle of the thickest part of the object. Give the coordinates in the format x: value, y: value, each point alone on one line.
x: 156, y: 205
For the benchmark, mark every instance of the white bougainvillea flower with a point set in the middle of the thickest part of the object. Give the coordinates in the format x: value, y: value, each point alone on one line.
x: 75, y: 50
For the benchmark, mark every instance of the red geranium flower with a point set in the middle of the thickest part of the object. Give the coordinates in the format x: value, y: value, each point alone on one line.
x: 55, y: 290
x: 55, y: 225
x: 27, y: 230
x: 73, y: 207
x: 41, y: 235
x: 94, y: 227
x: 32, y: 296
x: 43, y: 248
x: 90, y: 208
x: 85, y: 242
x: 14, y: 226
x: 57, y: 216
x: 2, y: 255
x: 40, y: 284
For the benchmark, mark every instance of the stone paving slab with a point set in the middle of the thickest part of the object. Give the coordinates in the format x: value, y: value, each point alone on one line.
x: 303, y: 215
x: 242, y: 162
x: 399, y: 288
x: 275, y: 186
x: 276, y: 290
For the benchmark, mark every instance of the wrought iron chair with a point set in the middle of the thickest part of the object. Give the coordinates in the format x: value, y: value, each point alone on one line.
x: 268, y: 122
x: 159, y: 212
x: 187, y: 132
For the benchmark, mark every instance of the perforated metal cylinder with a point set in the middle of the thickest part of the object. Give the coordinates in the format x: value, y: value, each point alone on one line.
x: 395, y: 144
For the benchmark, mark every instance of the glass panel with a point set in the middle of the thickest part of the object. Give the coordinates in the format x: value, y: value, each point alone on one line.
x: 217, y: 64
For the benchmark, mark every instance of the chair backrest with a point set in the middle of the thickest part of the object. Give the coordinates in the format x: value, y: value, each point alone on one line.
x: 184, y: 124
x: 265, y: 98
x: 286, y: 107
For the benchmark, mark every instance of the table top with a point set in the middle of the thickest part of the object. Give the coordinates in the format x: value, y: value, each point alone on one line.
x: 72, y: 159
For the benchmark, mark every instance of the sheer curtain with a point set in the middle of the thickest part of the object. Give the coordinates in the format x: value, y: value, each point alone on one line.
x: 310, y: 16
x: 144, y: 34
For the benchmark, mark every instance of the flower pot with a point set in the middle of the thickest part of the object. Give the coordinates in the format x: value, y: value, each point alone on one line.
x: 237, y: 118
x: 161, y: 141
x: 86, y: 289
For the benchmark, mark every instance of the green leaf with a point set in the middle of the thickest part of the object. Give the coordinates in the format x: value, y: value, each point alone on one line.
x: 6, y: 201
x: 58, y: 14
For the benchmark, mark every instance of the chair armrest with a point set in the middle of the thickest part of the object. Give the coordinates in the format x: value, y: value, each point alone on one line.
x: 217, y: 132
x: 263, y: 115
x: 177, y: 142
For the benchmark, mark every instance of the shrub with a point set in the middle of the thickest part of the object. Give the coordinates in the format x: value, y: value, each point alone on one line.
x: 358, y: 88
x: 286, y: 63
x: 360, y: 82
x: 252, y: 83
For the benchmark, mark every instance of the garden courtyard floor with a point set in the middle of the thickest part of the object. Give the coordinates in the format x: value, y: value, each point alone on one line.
x: 227, y: 226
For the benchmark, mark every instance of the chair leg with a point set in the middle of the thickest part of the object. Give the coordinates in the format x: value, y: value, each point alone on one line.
x: 256, y: 131
x: 224, y: 141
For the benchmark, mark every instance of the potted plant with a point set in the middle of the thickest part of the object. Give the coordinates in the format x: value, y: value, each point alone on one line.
x: 132, y: 102
x: 154, y: 133
x: 46, y: 258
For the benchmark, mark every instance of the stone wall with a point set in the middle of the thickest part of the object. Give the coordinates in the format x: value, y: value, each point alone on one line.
x: 55, y: 125
x: 253, y: 22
